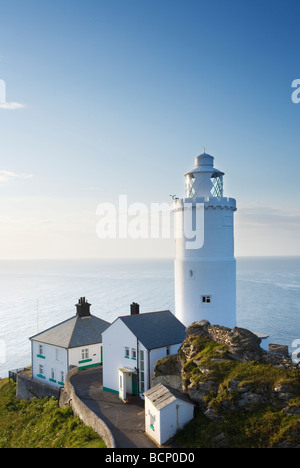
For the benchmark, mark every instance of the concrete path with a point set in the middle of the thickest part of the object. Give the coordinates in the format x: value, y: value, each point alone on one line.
x: 126, y: 421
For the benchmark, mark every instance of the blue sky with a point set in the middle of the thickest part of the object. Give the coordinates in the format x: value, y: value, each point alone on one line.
x: 119, y: 96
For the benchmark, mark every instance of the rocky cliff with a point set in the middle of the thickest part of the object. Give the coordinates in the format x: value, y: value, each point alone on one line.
x: 224, y: 370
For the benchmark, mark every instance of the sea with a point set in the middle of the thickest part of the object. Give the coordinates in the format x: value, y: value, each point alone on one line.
x: 37, y: 294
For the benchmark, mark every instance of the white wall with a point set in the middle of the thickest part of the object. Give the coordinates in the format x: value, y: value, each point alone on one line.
x: 114, y: 340
x: 152, y: 415
x: 213, y: 267
x: 59, y: 359
x: 165, y: 424
x: 168, y: 418
x: 215, y: 278
x: 159, y: 353
x: 94, y: 356
x: 55, y: 358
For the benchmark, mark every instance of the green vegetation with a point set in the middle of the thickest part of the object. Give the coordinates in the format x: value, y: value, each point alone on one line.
x: 40, y: 423
x: 214, y: 357
x: 266, y: 428
x: 263, y: 423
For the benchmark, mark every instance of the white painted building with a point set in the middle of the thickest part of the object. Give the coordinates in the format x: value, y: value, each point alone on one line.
x: 132, y: 345
x: 166, y: 411
x: 74, y: 342
x: 205, y: 267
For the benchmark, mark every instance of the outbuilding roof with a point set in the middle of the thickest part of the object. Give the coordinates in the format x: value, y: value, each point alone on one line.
x: 156, y: 329
x: 162, y: 395
x: 74, y: 332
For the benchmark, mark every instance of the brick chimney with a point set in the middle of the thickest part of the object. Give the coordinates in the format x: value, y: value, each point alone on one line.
x: 83, y: 308
x: 134, y: 308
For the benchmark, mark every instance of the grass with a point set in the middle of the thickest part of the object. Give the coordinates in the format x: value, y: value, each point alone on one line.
x: 40, y: 423
x: 265, y: 426
x: 213, y: 356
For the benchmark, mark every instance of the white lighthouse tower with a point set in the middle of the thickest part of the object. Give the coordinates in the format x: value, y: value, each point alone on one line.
x: 205, y: 268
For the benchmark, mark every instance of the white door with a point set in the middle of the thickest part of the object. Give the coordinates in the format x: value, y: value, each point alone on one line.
x: 122, y: 385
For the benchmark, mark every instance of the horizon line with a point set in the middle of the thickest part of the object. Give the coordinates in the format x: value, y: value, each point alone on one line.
x: 133, y: 258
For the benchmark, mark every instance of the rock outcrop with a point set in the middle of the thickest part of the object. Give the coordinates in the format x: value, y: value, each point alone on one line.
x: 243, y: 345
x: 223, y: 369
x: 168, y: 372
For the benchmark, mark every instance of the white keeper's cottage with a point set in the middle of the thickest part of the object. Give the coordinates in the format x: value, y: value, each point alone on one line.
x: 74, y: 342
x: 132, y: 345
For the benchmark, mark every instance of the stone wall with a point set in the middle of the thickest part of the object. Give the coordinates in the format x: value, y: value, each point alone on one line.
x: 68, y: 397
x: 27, y: 388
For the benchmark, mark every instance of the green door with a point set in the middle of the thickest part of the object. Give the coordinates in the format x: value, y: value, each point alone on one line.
x: 134, y: 384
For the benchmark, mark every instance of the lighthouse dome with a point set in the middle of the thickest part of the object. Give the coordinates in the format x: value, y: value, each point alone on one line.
x: 204, y: 159
x: 205, y: 163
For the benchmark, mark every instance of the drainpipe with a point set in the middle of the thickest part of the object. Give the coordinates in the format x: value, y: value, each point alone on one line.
x: 148, y: 353
x: 137, y: 367
x: 32, y: 358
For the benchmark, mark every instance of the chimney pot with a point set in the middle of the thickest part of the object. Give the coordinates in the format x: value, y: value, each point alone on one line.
x: 83, y: 308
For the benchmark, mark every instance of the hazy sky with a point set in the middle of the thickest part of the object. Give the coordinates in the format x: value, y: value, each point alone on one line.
x: 111, y: 97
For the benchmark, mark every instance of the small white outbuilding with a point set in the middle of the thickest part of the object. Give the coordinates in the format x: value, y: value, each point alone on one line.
x: 166, y: 410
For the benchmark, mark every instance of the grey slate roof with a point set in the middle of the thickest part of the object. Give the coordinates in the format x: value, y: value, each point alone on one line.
x: 156, y: 329
x: 74, y: 332
x: 162, y: 395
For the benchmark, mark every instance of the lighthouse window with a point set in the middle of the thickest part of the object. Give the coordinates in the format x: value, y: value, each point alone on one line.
x: 191, y: 273
x: 206, y: 299
x: 217, y: 188
x: 190, y: 190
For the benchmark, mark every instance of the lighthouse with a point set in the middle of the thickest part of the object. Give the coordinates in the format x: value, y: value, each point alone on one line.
x: 205, y: 267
